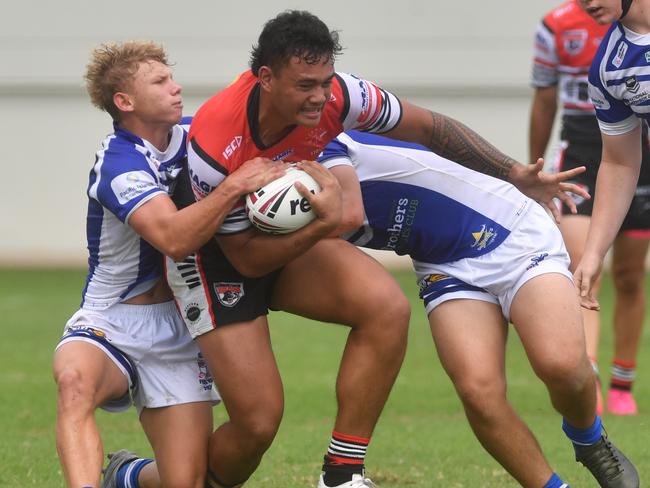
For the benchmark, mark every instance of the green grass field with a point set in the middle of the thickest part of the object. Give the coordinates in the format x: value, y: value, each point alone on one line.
x: 422, y: 439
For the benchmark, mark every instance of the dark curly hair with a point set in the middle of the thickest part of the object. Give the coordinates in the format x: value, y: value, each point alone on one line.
x: 294, y: 33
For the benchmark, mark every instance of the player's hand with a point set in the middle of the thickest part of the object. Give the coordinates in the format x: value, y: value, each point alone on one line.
x: 254, y: 174
x: 545, y: 187
x: 328, y: 203
x: 584, y: 277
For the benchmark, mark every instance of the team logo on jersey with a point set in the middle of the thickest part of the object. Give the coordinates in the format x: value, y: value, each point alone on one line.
x: 431, y: 279
x: 632, y: 84
x: 620, y: 54
x: 483, y: 238
x: 229, y: 294
x: 574, y: 41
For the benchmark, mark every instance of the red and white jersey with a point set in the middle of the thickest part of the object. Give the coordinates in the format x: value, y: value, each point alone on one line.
x: 224, y: 132
x: 566, y: 41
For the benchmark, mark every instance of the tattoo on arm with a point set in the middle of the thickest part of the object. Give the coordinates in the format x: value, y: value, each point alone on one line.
x: 457, y: 142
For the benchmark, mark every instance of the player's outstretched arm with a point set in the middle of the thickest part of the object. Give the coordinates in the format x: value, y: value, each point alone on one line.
x: 178, y: 233
x: 457, y: 142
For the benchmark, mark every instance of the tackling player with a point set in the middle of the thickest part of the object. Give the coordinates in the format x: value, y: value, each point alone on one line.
x: 565, y: 44
x: 127, y: 343
x: 288, y: 107
x: 480, y: 248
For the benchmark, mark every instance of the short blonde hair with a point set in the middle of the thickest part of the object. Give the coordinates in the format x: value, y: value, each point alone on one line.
x: 113, y: 66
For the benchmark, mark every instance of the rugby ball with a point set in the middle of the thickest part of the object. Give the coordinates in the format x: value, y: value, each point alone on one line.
x: 278, y: 208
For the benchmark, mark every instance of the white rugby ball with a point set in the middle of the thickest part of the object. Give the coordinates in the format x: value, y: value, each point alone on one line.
x: 278, y: 208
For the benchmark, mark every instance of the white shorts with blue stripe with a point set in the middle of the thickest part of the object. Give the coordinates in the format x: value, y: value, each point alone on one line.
x: 151, y: 346
x: 534, y: 247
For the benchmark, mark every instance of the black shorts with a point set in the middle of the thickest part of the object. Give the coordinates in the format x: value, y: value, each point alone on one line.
x: 574, y: 154
x: 210, y: 292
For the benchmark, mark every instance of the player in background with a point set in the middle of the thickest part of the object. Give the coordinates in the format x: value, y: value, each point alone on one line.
x: 480, y: 248
x: 566, y: 41
x: 288, y: 107
x: 127, y: 343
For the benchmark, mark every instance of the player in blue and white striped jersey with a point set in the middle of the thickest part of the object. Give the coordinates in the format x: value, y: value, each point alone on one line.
x: 619, y: 87
x: 127, y: 343
x: 480, y: 248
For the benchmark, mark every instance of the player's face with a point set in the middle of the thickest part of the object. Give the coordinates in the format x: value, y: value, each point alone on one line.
x: 602, y: 11
x: 155, y: 95
x: 300, y: 90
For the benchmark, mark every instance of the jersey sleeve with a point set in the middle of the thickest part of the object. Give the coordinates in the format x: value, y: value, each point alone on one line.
x: 369, y: 108
x: 123, y: 183
x: 614, y: 116
x: 336, y: 153
x: 545, y: 57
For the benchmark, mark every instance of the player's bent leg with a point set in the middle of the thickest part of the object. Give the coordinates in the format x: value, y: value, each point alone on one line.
x: 574, y: 230
x: 243, y: 366
x: 86, y: 378
x: 546, y: 314
x: 179, y: 436
x: 470, y: 337
x: 338, y: 283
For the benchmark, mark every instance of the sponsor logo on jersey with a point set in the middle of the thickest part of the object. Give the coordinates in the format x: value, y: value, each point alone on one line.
x: 232, y: 147
x: 620, y: 54
x: 402, y: 221
x: 647, y: 56
x: 365, y: 96
x: 483, y: 238
x: 229, y: 294
x: 598, y: 98
x: 128, y: 186
x: 574, y: 41
x: 192, y: 312
x: 199, y: 187
x: 632, y: 84
x: 283, y: 154
x: 535, y: 260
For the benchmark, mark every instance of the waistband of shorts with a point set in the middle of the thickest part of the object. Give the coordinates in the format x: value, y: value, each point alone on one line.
x: 153, y: 309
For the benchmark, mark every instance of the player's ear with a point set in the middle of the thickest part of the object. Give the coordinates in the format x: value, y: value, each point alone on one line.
x: 265, y: 75
x: 123, y: 102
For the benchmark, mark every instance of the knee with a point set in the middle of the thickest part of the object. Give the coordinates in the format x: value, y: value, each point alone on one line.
x: 389, y: 314
x: 75, y: 392
x: 259, y: 429
x: 481, y: 396
x: 628, y: 280
x: 566, y: 373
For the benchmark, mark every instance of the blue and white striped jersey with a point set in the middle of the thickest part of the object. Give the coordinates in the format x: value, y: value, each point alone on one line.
x: 619, y: 80
x: 423, y: 205
x: 128, y: 172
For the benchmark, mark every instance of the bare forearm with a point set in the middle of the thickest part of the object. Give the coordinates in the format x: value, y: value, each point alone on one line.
x: 457, y: 142
x: 542, y: 116
x: 264, y: 253
x: 615, y: 188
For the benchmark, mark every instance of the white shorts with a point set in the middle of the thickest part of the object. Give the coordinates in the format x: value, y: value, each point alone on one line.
x: 151, y: 346
x: 534, y: 247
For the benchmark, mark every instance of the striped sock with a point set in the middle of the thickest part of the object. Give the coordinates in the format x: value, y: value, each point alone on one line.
x: 555, y: 482
x: 127, y: 475
x: 345, y: 457
x: 623, y: 373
